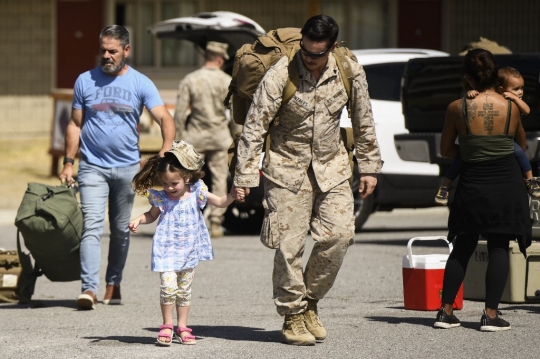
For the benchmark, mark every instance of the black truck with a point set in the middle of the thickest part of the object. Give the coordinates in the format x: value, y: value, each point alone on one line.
x: 430, y: 84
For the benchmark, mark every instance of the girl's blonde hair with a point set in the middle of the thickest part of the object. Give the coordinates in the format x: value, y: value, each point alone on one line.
x: 155, y: 166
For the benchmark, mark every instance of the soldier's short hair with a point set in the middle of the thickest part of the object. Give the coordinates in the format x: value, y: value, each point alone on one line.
x: 321, y: 28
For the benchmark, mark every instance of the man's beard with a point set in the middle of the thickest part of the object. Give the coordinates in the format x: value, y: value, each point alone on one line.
x: 111, y: 70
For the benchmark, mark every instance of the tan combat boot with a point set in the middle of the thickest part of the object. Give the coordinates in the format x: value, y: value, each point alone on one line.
x: 294, y: 331
x: 216, y: 231
x: 313, y: 323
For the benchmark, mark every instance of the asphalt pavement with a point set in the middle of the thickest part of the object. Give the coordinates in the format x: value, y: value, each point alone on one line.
x: 233, y: 315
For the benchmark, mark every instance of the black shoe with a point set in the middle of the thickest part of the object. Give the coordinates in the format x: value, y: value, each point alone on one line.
x: 446, y: 321
x: 496, y: 324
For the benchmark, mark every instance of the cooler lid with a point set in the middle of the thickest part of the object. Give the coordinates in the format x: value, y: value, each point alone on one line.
x: 426, y: 261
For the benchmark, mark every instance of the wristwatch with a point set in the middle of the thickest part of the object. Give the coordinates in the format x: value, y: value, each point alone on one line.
x: 68, y: 160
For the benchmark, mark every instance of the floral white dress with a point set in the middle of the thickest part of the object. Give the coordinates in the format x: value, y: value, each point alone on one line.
x: 181, y: 239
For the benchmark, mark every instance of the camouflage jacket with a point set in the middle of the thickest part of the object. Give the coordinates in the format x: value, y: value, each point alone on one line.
x: 305, y: 131
x: 203, y: 92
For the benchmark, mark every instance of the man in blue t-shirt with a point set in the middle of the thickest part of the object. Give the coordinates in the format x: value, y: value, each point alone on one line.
x: 107, y: 103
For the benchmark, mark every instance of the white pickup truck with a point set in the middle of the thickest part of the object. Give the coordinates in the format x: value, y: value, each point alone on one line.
x: 401, y: 184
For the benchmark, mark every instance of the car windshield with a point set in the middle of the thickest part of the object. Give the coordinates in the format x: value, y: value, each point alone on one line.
x: 384, y: 80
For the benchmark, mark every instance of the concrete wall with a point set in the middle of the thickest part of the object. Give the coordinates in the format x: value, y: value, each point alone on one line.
x: 27, y: 45
x: 26, y: 48
x: 513, y: 24
x: 25, y: 115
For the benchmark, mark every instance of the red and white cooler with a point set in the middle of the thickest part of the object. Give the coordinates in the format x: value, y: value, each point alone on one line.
x: 423, y: 278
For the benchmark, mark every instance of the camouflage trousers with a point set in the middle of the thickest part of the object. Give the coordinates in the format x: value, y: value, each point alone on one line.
x: 218, y: 166
x: 288, y: 218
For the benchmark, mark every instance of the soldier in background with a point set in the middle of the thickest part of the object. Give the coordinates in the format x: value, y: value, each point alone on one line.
x: 207, y: 127
x: 306, y: 172
x: 486, y: 44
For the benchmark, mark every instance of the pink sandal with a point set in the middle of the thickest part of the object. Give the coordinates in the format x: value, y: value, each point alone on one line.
x: 164, y: 335
x: 188, y: 338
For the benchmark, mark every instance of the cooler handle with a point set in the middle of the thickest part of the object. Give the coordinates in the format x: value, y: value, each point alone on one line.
x: 427, y: 238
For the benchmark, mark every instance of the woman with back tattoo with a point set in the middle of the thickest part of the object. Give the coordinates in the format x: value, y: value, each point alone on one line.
x: 490, y: 198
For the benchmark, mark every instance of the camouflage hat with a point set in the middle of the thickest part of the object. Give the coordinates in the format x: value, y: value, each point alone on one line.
x: 486, y: 44
x: 186, y: 155
x: 219, y: 48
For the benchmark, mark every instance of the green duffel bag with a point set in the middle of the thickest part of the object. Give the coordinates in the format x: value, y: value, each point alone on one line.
x: 51, y: 222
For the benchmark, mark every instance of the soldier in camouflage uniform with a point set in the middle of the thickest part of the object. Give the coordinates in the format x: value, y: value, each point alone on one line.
x: 208, y: 127
x: 306, y: 172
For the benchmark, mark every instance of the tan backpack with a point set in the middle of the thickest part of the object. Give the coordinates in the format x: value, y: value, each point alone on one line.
x: 253, y: 60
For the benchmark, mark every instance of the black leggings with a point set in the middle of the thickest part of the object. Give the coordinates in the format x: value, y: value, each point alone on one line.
x: 496, y: 273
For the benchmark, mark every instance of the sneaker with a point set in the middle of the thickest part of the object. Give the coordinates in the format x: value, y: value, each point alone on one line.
x: 294, y: 331
x: 86, y: 300
x: 496, y: 324
x: 533, y: 187
x: 313, y: 322
x: 442, y: 195
x: 446, y: 321
x: 112, y: 294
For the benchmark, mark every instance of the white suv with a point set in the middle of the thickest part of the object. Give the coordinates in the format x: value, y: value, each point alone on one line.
x: 401, y: 183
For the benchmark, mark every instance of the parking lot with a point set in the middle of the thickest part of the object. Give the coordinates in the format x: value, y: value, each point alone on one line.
x: 233, y: 314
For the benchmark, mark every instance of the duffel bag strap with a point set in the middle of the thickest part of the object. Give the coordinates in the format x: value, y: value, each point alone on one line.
x: 5, y: 299
x: 29, y: 274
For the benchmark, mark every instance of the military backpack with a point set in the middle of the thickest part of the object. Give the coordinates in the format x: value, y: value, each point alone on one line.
x: 252, y: 61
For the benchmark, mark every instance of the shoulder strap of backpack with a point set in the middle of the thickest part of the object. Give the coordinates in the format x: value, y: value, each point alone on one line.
x: 346, y: 75
x: 29, y: 274
x: 294, y: 79
x: 345, y: 70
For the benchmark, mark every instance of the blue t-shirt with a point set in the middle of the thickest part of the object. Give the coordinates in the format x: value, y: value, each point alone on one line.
x: 112, y: 107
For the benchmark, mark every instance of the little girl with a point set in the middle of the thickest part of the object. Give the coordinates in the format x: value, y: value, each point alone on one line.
x: 181, y: 239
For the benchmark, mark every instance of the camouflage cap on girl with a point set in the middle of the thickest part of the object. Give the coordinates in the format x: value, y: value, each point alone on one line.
x: 186, y: 155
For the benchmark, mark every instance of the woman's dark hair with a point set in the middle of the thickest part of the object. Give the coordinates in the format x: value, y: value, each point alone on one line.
x: 321, y: 28
x: 482, y: 69
x: 155, y: 166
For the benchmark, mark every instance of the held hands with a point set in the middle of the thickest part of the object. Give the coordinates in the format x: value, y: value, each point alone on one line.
x: 368, y: 182
x: 239, y: 193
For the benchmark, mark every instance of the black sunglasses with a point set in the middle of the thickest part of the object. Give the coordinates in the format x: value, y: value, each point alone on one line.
x: 314, y: 55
